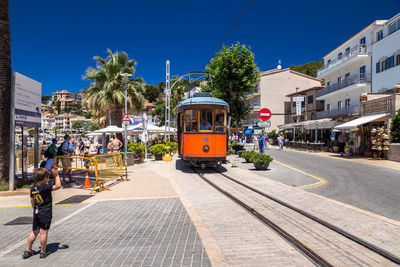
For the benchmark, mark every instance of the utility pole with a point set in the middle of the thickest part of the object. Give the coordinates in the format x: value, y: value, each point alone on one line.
x: 126, y: 75
x: 167, y: 102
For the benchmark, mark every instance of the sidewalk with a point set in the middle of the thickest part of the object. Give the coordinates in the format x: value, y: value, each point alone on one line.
x: 381, y: 163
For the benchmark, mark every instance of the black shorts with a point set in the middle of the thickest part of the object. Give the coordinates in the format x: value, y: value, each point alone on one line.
x: 40, y: 222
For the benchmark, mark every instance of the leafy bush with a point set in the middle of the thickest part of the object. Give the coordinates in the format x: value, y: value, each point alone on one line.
x: 335, y: 143
x: 261, y: 158
x: 247, y: 155
x: 137, y: 148
x: 173, y: 146
x: 231, y: 152
x: 240, y: 152
x: 395, y: 129
x: 237, y: 147
x: 158, y: 149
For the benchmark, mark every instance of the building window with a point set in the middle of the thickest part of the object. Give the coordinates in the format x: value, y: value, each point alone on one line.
x: 339, y: 104
x: 362, y: 72
x: 347, y: 102
x: 392, y: 27
x: 310, y: 99
x: 339, y: 80
x: 362, y: 45
x: 303, y: 103
x: 340, y: 55
x: 347, y: 51
x: 347, y: 77
x: 378, y: 67
x: 383, y: 65
x: 294, y: 104
x: 398, y: 58
x: 379, y: 35
x: 329, y: 62
x: 328, y: 106
x: 328, y: 84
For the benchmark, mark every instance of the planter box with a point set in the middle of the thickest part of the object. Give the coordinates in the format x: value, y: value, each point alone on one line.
x: 261, y: 166
x: 158, y: 157
x: 394, y: 152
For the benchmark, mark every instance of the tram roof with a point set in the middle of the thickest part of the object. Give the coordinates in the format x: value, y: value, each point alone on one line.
x: 203, y: 101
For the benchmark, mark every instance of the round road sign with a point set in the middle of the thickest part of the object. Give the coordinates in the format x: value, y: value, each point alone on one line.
x: 264, y: 114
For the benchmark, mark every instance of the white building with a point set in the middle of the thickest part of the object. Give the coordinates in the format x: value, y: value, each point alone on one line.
x: 347, y: 74
x: 386, y: 56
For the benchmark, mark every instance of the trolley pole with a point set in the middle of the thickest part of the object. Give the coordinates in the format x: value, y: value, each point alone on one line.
x: 126, y: 75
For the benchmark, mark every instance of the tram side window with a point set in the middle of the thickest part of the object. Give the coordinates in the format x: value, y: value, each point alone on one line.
x: 206, y: 120
x: 220, y: 121
x: 190, y: 121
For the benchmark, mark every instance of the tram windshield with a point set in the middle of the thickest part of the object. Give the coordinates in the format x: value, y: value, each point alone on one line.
x: 220, y: 121
x: 206, y: 121
x: 190, y: 121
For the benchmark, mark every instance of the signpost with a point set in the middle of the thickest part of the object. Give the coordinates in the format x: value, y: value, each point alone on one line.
x: 264, y: 114
x: 266, y: 124
x: 126, y: 119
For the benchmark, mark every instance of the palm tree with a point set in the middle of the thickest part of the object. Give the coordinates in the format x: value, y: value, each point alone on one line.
x: 106, y: 94
x: 5, y: 88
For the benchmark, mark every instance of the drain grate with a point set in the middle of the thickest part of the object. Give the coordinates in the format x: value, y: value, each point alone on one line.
x: 20, y: 221
x: 75, y: 199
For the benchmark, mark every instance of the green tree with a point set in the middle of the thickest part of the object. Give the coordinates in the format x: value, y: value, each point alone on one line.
x: 395, y: 128
x: 56, y: 130
x: 78, y: 125
x: 45, y: 98
x: 234, y: 74
x: 151, y: 92
x: 106, y: 94
x: 309, y: 68
x: 5, y: 88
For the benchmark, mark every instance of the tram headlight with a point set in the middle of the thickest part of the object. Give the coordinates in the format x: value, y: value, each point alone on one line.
x: 206, y: 148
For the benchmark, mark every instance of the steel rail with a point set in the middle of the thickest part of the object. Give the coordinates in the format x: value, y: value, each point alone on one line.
x: 352, y: 237
x: 308, y: 252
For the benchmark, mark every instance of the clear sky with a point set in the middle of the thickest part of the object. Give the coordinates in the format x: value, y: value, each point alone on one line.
x: 55, y: 41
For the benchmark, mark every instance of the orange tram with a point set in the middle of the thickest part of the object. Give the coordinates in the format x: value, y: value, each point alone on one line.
x: 203, y: 130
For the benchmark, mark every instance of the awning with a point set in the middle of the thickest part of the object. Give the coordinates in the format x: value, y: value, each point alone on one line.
x: 292, y: 125
x: 248, y: 131
x: 326, y: 123
x: 362, y: 120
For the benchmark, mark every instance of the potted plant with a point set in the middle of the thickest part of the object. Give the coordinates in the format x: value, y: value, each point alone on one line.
x: 335, y: 146
x: 240, y: 152
x: 261, y: 161
x: 236, y: 147
x: 173, y: 146
x: 247, y: 155
x: 138, y: 150
x: 158, y: 151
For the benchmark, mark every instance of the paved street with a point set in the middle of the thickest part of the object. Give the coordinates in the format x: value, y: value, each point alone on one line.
x: 364, y: 186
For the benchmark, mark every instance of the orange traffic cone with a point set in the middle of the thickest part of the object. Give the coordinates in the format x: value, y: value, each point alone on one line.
x: 87, y: 182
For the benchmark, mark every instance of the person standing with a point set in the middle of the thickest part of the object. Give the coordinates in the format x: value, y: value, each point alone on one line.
x: 342, y: 141
x: 266, y: 141
x: 261, y: 143
x: 66, y: 162
x: 81, y: 146
x: 280, y: 142
x: 44, y: 148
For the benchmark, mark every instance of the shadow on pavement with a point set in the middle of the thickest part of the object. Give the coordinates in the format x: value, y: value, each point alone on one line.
x: 53, y: 247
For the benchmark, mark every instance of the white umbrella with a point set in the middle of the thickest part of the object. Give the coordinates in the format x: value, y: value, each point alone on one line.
x: 150, y: 128
x: 110, y: 129
x: 94, y: 134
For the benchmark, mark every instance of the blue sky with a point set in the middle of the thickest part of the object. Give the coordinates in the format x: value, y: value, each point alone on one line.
x: 55, y: 41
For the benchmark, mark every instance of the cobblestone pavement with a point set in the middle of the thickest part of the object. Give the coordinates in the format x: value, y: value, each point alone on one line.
x: 243, y: 240
x: 142, y: 232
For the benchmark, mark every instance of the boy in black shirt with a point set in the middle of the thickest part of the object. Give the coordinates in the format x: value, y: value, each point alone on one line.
x: 41, y: 201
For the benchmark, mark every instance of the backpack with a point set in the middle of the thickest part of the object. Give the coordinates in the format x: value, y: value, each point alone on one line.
x: 59, y: 150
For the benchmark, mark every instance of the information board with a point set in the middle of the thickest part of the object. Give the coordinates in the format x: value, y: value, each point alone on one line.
x: 28, y: 101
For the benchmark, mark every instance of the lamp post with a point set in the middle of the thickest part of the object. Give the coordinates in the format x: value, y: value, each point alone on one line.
x: 126, y: 76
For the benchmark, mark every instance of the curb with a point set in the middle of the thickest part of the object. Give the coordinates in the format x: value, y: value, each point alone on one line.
x: 14, y: 193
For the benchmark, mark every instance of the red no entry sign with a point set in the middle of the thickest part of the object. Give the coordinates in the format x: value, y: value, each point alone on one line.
x: 264, y: 114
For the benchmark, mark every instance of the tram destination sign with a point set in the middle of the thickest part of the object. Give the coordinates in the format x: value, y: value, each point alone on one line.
x: 264, y: 114
x: 28, y: 101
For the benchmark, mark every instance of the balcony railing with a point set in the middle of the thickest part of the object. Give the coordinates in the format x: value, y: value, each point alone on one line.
x: 380, y: 105
x: 355, y: 79
x: 349, y: 110
x: 354, y: 51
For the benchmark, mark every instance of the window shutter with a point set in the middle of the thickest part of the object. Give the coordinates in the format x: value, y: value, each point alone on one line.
x: 391, y: 61
x: 378, y: 67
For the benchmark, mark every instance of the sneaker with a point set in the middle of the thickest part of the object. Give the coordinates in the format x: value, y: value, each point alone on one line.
x: 28, y: 254
x: 44, y: 254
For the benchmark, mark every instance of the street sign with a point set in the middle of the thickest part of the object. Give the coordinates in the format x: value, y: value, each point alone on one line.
x: 126, y: 118
x: 298, y: 108
x: 27, y: 101
x: 264, y: 114
x: 266, y: 124
x: 298, y: 99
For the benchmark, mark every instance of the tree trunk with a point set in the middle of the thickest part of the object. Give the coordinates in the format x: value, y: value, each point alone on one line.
x: 116, y: 119
x: 5, y: 88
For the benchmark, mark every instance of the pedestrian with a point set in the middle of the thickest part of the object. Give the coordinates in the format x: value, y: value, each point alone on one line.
x: 280, y: 142
x: 342, y: 141
x: 41, y: 201
x: 266, y: 141
x: 66, y: 161
x: 92, y: 148
x: 72, y: 146
x: 44, y: 149
x: 81, y: 146
x: 115, y: 145
x: 50, y: 154
x: 236, y: 138
x: 261, y: 142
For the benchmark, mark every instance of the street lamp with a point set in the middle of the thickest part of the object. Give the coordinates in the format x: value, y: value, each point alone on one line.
x: 126, y: 77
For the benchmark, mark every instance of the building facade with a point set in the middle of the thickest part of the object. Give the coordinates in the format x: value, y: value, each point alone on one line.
x: 386, y: 56
x: 272, y: 90
x: 347, y: 74
x: 309, y: 107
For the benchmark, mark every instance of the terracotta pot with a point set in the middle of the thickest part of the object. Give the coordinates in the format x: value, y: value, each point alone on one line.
x: 335, y: 149
x: 261, y: 166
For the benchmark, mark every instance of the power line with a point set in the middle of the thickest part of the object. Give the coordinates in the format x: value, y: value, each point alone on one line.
x: 232, y: 26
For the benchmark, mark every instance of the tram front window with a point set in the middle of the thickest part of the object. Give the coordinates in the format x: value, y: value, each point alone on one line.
x: 190, y: 121
x: 220, y: 122
x: 206, y: 120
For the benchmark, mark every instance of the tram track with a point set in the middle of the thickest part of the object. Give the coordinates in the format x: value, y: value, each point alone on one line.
x: 311, y: 231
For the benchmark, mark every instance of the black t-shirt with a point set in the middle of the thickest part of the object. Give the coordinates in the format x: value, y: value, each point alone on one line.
x: 41, y: 194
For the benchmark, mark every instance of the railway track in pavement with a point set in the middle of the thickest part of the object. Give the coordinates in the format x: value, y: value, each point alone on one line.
x: 321, y: 242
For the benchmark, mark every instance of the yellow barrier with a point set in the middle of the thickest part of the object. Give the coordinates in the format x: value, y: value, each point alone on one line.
x: 105, y: 167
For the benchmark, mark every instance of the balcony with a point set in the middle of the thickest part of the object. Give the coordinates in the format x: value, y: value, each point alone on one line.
x: 355, y: 80
x: 345, y: 111
x: 356, y: 51
x: 380, y: 105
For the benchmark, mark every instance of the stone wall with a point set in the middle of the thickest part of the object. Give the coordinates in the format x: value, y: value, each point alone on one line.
x: 394, y: 152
